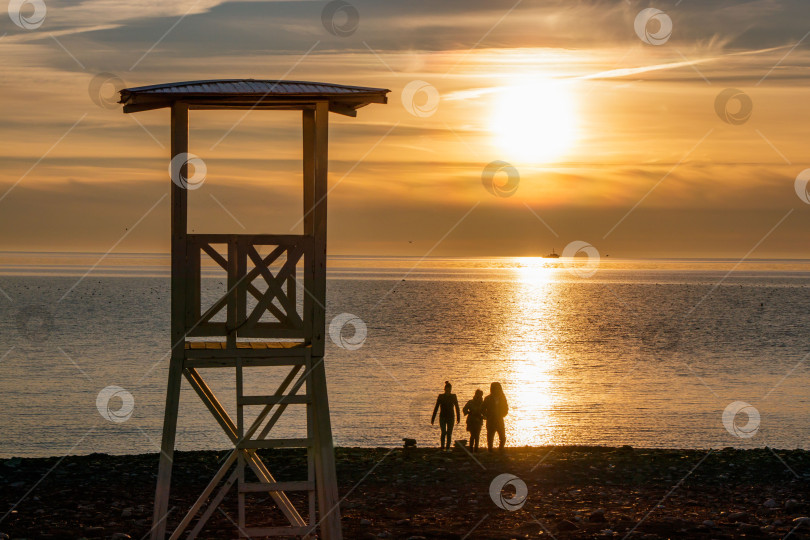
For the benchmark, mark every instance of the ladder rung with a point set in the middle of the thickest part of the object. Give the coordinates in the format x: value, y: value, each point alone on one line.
x: 276, y: 443
x: 256, y: 487
x: 193, y: 361
x: 272, y: 400
x: 258, y: 532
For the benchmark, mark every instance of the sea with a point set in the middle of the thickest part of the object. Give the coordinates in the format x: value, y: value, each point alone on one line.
x: 660, y: 353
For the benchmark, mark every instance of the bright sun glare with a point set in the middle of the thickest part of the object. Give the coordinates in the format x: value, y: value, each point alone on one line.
x: 534, y: 122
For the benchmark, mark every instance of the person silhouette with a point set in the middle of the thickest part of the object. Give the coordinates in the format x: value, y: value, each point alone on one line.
x: 475, y: 418
x: 495, y: 409
x: 446, y: 402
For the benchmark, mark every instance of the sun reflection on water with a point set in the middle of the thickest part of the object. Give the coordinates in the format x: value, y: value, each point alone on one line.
x: 532, y: 337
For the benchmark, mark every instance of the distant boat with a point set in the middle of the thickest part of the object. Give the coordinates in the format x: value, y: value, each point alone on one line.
x: 552, y: 255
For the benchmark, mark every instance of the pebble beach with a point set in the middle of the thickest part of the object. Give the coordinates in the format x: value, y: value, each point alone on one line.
x: 570, y: 492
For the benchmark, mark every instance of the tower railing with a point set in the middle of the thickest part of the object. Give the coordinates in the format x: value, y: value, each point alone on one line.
x: 261, y: 297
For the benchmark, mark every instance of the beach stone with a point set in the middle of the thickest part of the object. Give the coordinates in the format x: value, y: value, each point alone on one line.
x: 738, y: 516
x: 804, y: 520
x: 749, y: 528
x: 770, y: 503
x: 385, y: 534
x: 365, y: 522
x: 127, y: 512
x: 597, y: 516
x: 416, y: 538
x: 792, y: 505
x: 708, y: 523
x: 120, y: 536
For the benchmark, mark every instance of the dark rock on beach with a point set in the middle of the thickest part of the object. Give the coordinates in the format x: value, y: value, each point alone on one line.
x: 572, y: 492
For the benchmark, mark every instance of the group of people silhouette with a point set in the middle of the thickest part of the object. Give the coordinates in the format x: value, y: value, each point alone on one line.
x: 492, y: 408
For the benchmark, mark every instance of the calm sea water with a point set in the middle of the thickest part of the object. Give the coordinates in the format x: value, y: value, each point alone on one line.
x: 646, y: 353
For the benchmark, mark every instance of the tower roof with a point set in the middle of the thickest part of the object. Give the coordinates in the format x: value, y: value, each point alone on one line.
x: 251, y: 94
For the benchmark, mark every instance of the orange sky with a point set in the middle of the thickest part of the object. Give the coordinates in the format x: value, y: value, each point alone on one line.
x: 616, y: 141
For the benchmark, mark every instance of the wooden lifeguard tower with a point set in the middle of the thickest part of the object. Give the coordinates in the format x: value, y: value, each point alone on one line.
x: 264, y: 325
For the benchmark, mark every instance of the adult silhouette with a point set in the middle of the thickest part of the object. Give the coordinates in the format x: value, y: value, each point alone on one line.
x: 446, y: 405
x: 495, y: 409
x: 474, y: 410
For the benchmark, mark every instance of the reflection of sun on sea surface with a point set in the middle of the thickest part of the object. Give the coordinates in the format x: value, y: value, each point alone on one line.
x: 532, y: 351
x: 535, y: 121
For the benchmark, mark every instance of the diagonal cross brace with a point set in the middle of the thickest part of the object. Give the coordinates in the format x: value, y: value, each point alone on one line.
x: 259, y: 468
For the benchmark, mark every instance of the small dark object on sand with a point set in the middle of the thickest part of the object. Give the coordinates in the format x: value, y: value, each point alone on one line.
x: 409, y: 443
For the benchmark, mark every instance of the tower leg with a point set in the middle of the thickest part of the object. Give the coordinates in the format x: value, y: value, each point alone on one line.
x: 324, y: 453
x: 167, y: 449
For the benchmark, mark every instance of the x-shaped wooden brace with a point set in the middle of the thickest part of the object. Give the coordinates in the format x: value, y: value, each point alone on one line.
x: 250, y: 455
x: 274, y: 285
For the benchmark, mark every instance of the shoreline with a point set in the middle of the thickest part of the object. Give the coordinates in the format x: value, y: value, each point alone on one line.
x: 572, y: 492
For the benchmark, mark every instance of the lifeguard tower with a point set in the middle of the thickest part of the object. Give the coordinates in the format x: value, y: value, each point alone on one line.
x: 264, y: 325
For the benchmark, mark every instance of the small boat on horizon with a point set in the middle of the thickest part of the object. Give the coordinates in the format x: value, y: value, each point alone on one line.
x: 552, y: 255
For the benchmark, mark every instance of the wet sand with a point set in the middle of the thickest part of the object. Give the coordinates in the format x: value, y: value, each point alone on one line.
x: 572, y: 492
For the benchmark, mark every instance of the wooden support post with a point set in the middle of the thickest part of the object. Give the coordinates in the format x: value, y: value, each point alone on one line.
x: 311, y: 496
x: 179, y: 222
x: 320, y: 190
x: 323, y: 450
x: 309, y: 207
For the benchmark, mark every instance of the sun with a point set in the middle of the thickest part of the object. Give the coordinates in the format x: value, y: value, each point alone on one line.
x: 535, y: 121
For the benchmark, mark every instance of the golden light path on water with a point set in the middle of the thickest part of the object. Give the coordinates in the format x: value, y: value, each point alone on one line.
x: 533, y: 360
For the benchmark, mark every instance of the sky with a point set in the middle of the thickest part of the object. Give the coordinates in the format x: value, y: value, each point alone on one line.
x: 664, y: 129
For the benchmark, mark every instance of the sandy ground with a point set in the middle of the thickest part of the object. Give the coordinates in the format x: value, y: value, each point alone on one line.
x: 570, y: 492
